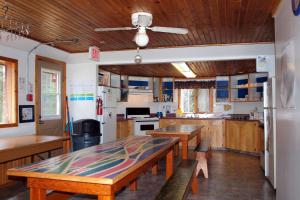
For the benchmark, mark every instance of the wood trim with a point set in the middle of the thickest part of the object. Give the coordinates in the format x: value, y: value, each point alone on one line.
x: 276, y: 7
x: 14, y: 64
x: 63, y: 92
x: 196, y: 93
x: 179, y: 98
x: 9, y: 125
x: 211, y: 100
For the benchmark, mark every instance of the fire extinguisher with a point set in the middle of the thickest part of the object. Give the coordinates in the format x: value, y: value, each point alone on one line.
x: 99, y: 106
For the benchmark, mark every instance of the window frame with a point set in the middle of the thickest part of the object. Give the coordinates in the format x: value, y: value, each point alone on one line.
x: 59, y: 116
x: 211, y: 100
x: 14, y: 63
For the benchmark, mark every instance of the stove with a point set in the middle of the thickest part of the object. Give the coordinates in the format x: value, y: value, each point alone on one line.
x: 142, y: 120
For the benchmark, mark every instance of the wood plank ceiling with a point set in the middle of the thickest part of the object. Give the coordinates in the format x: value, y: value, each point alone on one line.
x: 201, y: 69
x: 208, y: 21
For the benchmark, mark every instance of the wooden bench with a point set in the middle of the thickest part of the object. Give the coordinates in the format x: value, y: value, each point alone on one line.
x: 176, y: 187
x: 202, y: 154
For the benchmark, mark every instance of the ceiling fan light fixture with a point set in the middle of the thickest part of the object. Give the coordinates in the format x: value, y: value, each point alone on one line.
x: 141, y: 38
x: 183, y: 68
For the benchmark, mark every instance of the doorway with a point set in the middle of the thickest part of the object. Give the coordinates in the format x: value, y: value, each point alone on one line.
x: 50, y: 90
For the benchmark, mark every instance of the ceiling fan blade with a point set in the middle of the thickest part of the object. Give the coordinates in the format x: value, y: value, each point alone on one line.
x: 169, y: 30
x: 114, y: 29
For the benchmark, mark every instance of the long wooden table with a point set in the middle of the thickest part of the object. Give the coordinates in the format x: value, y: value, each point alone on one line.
x: 100, y: 170
x: 16, y: 151
x: 184, y: 132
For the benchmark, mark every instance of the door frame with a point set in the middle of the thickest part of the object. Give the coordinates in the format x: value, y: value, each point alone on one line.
x: 63, y: 92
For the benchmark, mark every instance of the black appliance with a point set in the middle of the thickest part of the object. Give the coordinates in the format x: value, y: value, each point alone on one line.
x: 86, y: 133
x: 239, y: 116
x: 137, y: 111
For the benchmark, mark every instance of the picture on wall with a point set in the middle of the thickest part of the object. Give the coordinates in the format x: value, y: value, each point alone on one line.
x: 26, y: 113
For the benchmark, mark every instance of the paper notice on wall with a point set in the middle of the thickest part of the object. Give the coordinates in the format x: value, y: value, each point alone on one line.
x: 82, y: 93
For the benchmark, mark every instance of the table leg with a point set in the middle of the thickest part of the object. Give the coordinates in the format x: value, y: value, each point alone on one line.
x: 37, y: 194
x: 176, y: 149
x: 195, y: 184
x: 154, y: 169
x: 169, y: 164
x: 185, y: 149
x: 133, y: 185
x: 100, y: 197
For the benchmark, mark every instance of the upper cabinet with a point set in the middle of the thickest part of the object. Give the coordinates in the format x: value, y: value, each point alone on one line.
x: 163, y: 89
x: 222, y: 88
x: 240, y: 88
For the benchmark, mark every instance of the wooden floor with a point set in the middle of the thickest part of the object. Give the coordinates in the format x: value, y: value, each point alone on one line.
x: 231, y: 176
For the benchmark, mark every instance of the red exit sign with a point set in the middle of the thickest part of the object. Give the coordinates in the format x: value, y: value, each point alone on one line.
x: 94, y: 53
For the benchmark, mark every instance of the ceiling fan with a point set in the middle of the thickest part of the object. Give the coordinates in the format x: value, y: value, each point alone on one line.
x: 142, y: 21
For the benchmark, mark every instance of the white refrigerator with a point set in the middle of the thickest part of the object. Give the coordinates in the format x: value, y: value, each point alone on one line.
x: 108, y: 119
x: 270, y: 131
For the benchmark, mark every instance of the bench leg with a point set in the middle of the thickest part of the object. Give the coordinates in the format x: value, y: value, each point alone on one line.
x: 133, y: 185
x: 154, y: 169
x: 202, y: 164
x: 176, y: 149
x: 169, y: 164
x: 195, y: 184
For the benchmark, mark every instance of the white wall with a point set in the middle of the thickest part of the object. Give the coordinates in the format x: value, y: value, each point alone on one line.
x: 19, y: 50
x: 287, y: 29
x: 81, y: 78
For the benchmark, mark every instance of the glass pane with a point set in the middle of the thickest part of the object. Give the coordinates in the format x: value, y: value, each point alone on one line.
x: 50, y: 93
x: 2, y: 79
x: 187, y: 100
x: 203, y: 100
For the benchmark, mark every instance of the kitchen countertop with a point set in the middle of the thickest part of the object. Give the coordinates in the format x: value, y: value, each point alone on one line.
x: 200, y: 118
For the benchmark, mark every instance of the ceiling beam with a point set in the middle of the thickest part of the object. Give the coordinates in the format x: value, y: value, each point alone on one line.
x: 186, y: 54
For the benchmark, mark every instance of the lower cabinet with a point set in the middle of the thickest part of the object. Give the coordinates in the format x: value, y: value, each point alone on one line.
x: 243, y: 136
x: 212, y: 128
x: 240, y: 135
x: 124, y: 128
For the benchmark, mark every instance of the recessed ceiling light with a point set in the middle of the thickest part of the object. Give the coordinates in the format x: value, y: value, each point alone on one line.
x: 183, y: 68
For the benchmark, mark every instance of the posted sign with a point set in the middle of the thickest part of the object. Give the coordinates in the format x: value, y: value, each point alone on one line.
x: 94, y: 53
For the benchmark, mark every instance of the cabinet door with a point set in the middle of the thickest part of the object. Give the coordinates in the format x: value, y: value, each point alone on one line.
x: 232, y: 136
x: 216, y: 132
x: 249, y: 137
x: 122, y: 129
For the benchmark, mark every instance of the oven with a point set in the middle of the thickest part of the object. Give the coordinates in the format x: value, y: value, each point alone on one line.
x: 141, y: 126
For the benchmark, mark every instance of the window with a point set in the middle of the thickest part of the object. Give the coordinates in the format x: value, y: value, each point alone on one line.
x: 50, y: 94
x: 196, y: 100
x: 187, y: 100
x: 203, y: 100
x: 8, y: 92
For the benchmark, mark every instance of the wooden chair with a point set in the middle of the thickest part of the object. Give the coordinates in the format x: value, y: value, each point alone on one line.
x: 176, y: 188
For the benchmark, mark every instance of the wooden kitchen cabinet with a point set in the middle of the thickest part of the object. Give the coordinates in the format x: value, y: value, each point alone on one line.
x: 243, y: 135
x: 212, y: 128
x: 124, y: 128
x: 216, y: 130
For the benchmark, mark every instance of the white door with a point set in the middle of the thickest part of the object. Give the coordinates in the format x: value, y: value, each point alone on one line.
x: 50, y: 97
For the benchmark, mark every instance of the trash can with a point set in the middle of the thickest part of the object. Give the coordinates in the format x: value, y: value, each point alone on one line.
x: 86, y: 133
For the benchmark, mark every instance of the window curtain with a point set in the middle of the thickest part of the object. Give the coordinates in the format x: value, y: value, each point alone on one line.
x: 195, y: 84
